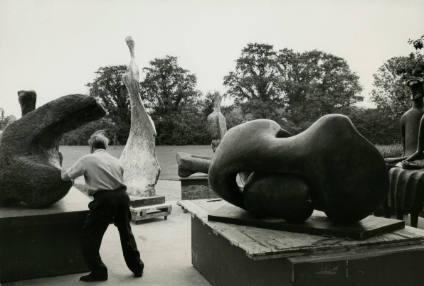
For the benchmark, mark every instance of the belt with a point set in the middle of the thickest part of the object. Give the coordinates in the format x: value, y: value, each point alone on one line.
x: 104, y: 192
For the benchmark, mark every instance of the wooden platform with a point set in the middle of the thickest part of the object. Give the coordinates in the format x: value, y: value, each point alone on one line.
x: 229, y: 254
x: 136, y: 201
x: 318, y: 223
x: 43, y: 242
x: 140, y: 214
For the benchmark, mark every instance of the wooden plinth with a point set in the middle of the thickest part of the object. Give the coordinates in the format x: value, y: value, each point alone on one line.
x: 43, y: 242
x: 141, y: 214
x: 318, y: 223
x: 146, y: 201
x: 196, y: 187
x: 229, y: 254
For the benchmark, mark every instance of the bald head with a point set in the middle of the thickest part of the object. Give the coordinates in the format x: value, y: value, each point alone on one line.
x: 98, y: 140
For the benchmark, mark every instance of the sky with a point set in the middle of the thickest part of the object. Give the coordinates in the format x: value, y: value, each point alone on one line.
x: 55, y: 46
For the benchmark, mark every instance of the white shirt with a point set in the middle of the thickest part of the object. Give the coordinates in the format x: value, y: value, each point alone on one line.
x: 101, y: 171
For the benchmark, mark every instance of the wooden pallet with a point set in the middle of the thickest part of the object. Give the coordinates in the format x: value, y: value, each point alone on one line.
x: 147, y: 212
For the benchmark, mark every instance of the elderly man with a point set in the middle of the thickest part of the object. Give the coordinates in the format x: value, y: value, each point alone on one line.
x: 104, y: 177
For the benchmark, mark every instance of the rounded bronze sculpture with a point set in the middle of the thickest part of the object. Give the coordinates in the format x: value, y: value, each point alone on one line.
x: 329, y: 167
x: 29, y: 157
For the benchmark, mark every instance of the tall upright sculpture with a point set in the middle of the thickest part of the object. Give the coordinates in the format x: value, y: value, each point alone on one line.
x: 138, y: 158
x: 217, y: 125
x: 29, y: 157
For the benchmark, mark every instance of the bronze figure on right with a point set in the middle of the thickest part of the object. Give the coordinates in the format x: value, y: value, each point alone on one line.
x: 217, y: 125
x: 412, y: 129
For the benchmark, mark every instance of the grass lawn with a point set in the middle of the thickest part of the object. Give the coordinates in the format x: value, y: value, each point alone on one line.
x: 166, y: 156
x: 394, y: 150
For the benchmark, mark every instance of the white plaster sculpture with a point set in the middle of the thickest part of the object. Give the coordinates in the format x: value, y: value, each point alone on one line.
x: 141, y: 167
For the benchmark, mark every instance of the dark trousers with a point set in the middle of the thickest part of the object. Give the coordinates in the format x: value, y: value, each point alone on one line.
x: 111, y: 206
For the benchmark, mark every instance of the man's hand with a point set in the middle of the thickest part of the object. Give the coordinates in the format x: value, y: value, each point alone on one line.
x: 65, y: 177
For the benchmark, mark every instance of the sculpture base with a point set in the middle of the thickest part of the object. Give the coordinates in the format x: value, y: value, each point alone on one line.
x: 141, y: 214
x: 318, y: 223
x: 136, y: 201
x: 145, y: 208
x: 196, y: 187
x: 43, y: 242
x: 228, y: 254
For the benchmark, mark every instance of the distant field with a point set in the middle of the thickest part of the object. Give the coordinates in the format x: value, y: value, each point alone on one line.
x: 394, y: 150
x: 166, y: 156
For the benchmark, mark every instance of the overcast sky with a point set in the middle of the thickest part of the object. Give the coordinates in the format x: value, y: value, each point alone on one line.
x: 54, y: 47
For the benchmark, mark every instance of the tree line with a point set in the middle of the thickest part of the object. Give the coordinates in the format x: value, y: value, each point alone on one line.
x: 293, y: 88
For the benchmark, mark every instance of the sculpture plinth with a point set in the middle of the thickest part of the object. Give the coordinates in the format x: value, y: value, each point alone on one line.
x: 229, y: 254
x: 43, y: 242
x: 317, y: 224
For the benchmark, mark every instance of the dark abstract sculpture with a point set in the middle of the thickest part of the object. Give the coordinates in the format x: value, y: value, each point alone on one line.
x: 29, y: 157
x: 329, y: 166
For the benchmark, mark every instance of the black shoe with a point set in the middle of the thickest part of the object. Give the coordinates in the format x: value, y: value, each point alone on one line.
x: 139, y: 273
x: 93, y: 277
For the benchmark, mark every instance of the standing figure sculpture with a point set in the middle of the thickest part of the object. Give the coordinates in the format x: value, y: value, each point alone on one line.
x: 189, y: 164
x: 138, y: 158
x: 217, y: 126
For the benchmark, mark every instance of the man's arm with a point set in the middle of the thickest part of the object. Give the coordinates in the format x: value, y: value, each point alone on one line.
x: 76, y: 170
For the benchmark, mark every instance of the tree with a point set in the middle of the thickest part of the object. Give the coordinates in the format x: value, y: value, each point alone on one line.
x: 291, y: 87
x: 167, y: 87
x: 81, y: 135
x: 109, y: 89
x: 254, y: 84
x: 171, y: 96
x: 389, y: 92
x: 316, y: 83
x: 375, y: 125
x: 418, y: 44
